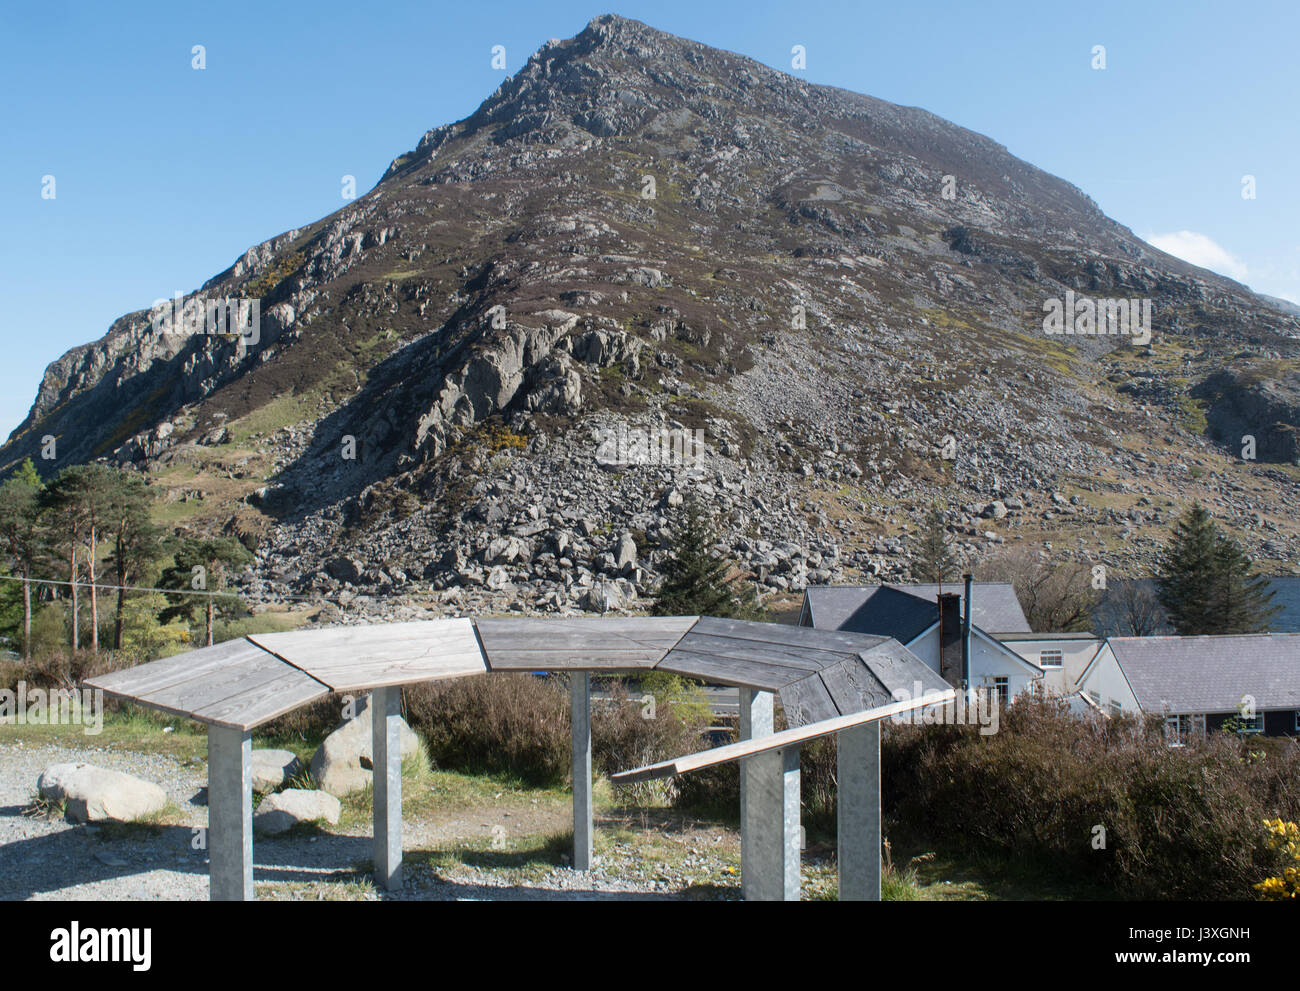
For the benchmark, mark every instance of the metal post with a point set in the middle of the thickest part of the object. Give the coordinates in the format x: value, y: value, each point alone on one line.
x: 580, y: 718
x: 230, y: 814
x: 770, y: 834
x: 857, y: 772
x: 386, y: 751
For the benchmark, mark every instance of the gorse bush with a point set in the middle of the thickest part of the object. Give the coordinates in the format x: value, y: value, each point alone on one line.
x: 716, y: 790
x: 1099, y: 800
x: 1283, y: 837
x: 1105, y: 803
x: 497, y: 438
x: 628, y: 731
x: 500, y: 723
x: 519, y: 725
x: 817, y: 768
x: 62, y: 667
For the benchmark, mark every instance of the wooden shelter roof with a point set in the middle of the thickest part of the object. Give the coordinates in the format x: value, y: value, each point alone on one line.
x: 819, y: 674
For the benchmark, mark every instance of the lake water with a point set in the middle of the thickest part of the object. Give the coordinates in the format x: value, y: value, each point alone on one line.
x: 1286, y: 594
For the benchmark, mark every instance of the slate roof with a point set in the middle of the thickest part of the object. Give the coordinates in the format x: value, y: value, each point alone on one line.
x: 904, y: 612
x: 1211, y: 674
x: 1047, y: 637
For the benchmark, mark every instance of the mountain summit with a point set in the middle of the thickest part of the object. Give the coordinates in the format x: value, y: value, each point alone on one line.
x: 636, y: 234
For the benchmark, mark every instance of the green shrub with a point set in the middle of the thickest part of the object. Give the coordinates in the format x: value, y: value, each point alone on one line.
x: 628, y: 732
x: 307, y: 725
x: 519, y: 724
x: 500, y: 723
x: 1178, y: 822
x: 63, y: 667
x: 715, y: 791
x: 52, y: 628
x: 817, y: 784
x: 712, y: 791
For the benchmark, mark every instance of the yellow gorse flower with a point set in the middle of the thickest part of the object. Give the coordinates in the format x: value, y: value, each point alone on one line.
x: 1284, y: 836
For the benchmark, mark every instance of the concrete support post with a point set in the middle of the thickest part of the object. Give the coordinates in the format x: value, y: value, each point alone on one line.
x: 580, y: 709
x: 771, y: 840
x: 230, y: 814
x: 386, y: 752
x: 857, y: 772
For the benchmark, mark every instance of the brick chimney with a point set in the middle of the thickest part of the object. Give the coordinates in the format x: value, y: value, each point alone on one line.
x: 951, y: 640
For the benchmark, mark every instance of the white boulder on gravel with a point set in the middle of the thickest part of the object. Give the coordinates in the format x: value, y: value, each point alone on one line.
x: 344, y: 760
x: 272, y: 768
x: 91, y: 793
x: 286, y: 809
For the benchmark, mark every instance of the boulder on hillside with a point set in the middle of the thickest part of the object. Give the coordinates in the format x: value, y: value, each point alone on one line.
x: 286, y: 809
x: 272, y: 768
x: 343, y: 762
x: 995, y: 510
x: 604, y: 597
x: 91, y: 793
x: 345, y: 569
x: 625, y: 553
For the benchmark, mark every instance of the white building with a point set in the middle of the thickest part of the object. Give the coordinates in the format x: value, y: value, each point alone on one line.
x: 1200, y: 683
x: 1249, y: 681
x: 931, y: 621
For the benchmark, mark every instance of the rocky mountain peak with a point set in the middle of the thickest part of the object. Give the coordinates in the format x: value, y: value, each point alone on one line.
x: 602, y: 82
x: 639, y: 232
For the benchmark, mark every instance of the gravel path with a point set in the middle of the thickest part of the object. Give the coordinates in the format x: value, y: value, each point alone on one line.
x: 51, y: 859
x: 45, y: 859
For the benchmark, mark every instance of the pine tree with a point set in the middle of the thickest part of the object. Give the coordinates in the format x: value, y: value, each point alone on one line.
x: 1206, y: 584
x: 203, y: 565
x: 933, y: 560
x: 66, y: 515
x: 21, y: 535
x: 26, y: 472
x: 1246, y: 603
x: 82, y: 498
x: 696, y: 583
x: 133, y: 538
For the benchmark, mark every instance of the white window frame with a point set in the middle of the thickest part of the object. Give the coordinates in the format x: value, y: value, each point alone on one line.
x: 1256, y: 720
x: 998, y: 687
x: 1059, y: 656
x: 1183, y: 724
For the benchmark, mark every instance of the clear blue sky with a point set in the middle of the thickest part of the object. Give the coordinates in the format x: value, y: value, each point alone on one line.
x: 164, y: 174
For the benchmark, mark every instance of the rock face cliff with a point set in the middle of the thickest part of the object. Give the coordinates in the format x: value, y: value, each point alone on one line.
x: 638, y: 234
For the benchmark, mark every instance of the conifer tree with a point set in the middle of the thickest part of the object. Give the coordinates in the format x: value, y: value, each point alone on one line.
x: 695, y: 583
x: 203, y: 565
x: 134, y: 540
x: 934, y: 560
x: 1206, y: 582
x: 21, y: 535
x: 82, y: 498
